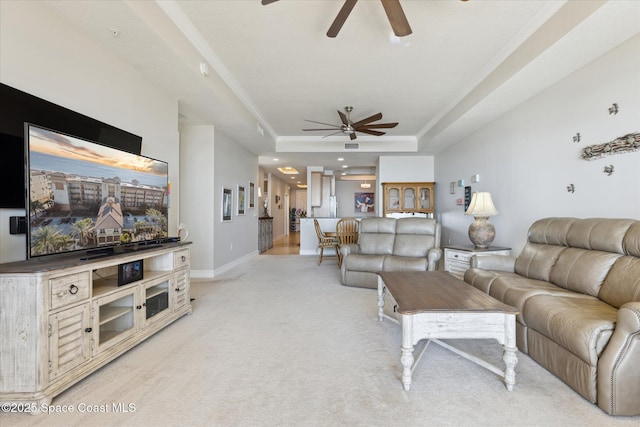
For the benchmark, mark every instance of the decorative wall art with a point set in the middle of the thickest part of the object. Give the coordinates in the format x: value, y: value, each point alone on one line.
x: 240, y: 210
x: 364, y: 202
x: 467, y: 197
x: 624, y: 144
x: 227, y: 196
x: 252, y: 195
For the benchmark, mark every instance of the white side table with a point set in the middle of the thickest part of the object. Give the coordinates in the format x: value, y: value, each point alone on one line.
x: 457, y: 259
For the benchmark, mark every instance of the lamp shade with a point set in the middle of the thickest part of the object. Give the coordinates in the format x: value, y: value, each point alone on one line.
x: 481, y: 205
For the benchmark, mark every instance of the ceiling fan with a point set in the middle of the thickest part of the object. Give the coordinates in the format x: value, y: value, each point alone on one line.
x: 350, y: 128
x: 394, y: 11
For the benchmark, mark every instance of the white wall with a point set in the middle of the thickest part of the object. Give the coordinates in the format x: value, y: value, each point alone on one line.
x: 527, y: 157
x: 198, y: 201
x: 345, y: 196
x: 233, y: 165
x: 404, y: 169
x: 43, y: 56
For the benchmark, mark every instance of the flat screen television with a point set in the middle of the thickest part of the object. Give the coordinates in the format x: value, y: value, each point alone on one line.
x: 16, y: 108
x: 86, y: 197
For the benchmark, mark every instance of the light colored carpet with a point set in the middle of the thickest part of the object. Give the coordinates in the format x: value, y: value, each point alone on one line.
x: 279, y: 342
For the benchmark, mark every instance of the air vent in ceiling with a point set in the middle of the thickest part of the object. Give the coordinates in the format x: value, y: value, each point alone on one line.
x: 351, y: 146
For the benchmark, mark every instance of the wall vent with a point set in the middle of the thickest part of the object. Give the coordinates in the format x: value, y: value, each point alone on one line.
x: 351, y: 146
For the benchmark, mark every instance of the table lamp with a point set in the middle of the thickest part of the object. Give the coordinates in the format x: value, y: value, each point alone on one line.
x: 481, y: 231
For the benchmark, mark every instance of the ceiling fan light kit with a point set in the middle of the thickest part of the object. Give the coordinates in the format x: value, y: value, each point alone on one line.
x: 350, y: 128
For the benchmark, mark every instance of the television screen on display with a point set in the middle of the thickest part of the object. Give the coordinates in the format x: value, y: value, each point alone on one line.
x: 84, y: 196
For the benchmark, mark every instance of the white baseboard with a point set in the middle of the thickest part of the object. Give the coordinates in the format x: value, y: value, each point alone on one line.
x: 236, y: 262
x: 210, y: 274
x: 201, y: 274
x: 327, y: 252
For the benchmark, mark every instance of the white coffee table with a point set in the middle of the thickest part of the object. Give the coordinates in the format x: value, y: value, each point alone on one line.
x: 435, y: 305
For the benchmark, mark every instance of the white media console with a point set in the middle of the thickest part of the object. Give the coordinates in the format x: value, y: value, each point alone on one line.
x: 63, y: 318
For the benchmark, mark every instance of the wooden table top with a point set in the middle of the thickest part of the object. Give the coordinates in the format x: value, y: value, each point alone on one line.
x: 426, y: 291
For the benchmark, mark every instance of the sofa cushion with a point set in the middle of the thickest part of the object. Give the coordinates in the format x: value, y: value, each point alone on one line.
x: 622, y: 284
x: 405, y: 263
x: 535, y: 260
x: 378, y: 225
x: 631, y: 240
x: 514, y: 290
x: 377, y: 236
x: 583, y: 325
x: 599, y: 234
x: 550, y: 231
x: 483, y: 279
x: 582, y: 270
x: 358, y: 262
x: 414, y: 237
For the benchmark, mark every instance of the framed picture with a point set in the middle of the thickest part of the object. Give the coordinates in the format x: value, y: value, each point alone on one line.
x: 240, y: 210
x: 467, y: 197
x: 227, y: 195
x: 452, y: 187
x: 252, y: 195
x: 364, y: 202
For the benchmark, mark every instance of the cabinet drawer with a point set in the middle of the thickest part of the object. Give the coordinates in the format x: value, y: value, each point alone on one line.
x: 69, y: 289
x: 181, y: 259
x: 459, y: 256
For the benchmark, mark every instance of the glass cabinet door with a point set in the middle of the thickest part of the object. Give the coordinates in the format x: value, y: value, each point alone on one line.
x: 424, y: 194
x: 115, y: 318
x: 394, y: 198
x: 409, y: 198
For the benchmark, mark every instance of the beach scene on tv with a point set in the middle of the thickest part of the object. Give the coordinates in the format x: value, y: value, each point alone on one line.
x: 84, y: 195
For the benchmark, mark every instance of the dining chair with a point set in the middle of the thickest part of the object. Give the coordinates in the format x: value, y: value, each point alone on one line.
x: 324, y: 241
x: 347, y: 232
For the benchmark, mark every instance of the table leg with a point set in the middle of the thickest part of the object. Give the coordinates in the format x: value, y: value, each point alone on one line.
x: 510, y: 360
x: 407, y: 363
x: 406, y: 357
x: 381, y: 292
x: 509, y: 356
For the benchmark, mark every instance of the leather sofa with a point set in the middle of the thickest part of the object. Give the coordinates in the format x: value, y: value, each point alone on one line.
x: 389, y: 244
x: 576, y: 283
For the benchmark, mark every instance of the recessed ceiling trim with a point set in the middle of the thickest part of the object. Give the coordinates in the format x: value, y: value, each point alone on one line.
x: 184, y: 24
x: 552, y: 23
x: 391, y: 144
x: 357, y: 178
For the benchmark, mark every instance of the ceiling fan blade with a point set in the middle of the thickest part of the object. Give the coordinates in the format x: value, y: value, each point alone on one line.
x: 397, y: 18
x: 378, y: 126
x: 343, y: 117
x: 266, y: 2
x: 352, y: 136
x: 334, y: 29
x: 367, y: 120
x: 334, y: 133
x: 370, y: 131
x: 338, y: 129
x: 321, y: 123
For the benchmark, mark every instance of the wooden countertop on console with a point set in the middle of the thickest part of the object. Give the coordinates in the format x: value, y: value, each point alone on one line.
x: 56, y: 262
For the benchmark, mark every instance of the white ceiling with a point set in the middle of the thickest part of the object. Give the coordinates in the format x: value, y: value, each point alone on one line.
x: 273, y: 66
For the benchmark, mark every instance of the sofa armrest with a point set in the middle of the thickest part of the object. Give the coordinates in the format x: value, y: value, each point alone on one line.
x: 433, y: 256
x: 618, y: 379
x: 494, y: 262
x: 345, y: 250
x: 349, y: 248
